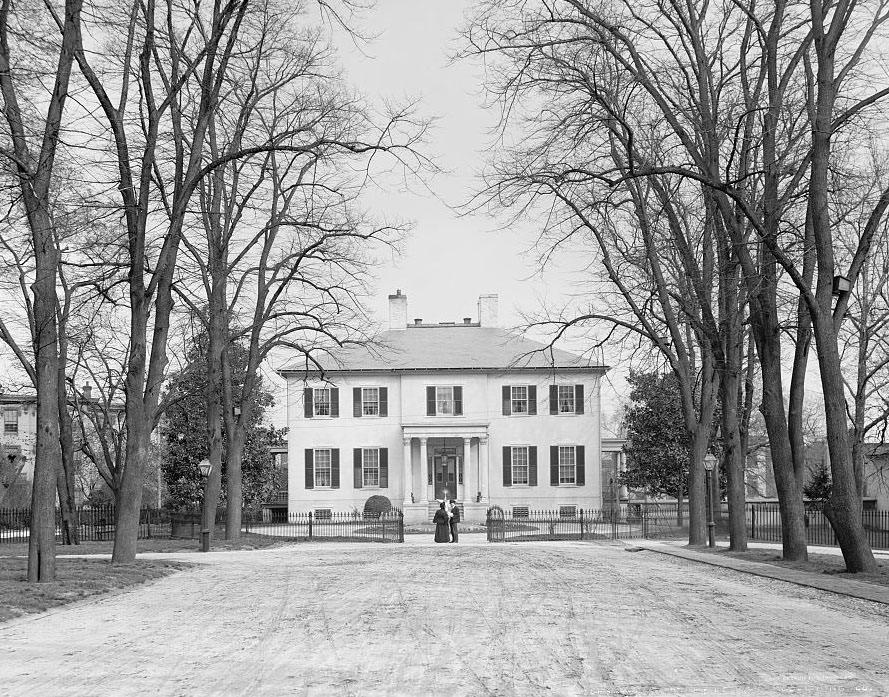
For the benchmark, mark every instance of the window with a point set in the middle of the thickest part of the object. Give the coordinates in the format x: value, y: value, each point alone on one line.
x: 322, y: 401
x: 370, y: 467
x: 567, y: 511
x: 519, y: 511
x: 566, y: 399
x: 370, y: 401
x: 520, y: 465
x: 322, y: 468
x: 444, y: 400
x: 519, y: 399
x: 323, y: 514
x: 10, y: 421
x: 567, y: 470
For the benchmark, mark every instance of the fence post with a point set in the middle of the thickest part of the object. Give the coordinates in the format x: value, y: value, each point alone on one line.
x: 644, y: 520
x: 753, y: 522
x: 581, y: 523
x: 310, y: 525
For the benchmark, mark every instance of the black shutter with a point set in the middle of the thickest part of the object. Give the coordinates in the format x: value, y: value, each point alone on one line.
x: 532, y: 399
x: 430, y: 401
x: 507, y: 466
x: 554, y: 465
x: 310, y: 468
x: 335, y: 468
x: 307, y: 403
x: 356, y: 467
x: 356, y: 402
x: 553, y: 399
x: 384, y: 401
x: 507, y: 400
x: 458, y: 400
x: 532, y: 465
x: 384, y: 468
x: 578, y: 399
x: 579, y: 465
x: 334, y: 401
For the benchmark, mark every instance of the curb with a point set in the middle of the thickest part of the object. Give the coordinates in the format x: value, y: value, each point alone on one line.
x: 846, y: 587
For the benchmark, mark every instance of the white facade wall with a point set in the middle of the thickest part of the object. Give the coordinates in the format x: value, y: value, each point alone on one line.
x: 482, y: 414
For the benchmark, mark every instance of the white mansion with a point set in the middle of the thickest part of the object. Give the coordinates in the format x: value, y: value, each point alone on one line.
x: 466, y: 411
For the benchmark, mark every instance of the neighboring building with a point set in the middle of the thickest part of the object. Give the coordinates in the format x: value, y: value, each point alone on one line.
x: 18, y: 439
x: 466, y: 411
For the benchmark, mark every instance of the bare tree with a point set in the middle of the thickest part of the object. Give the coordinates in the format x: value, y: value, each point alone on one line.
x: 280, y: 259
x: 31, y: 155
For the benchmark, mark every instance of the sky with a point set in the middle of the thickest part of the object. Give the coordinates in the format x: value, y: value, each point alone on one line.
x: 450, y: 259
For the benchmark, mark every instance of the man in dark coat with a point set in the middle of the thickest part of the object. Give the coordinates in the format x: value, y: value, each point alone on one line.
x: 441, y: 524
x: 455, y: 518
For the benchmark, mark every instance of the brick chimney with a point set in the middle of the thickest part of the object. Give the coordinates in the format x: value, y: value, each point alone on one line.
x: 487, y: 310
x: 398, y: 311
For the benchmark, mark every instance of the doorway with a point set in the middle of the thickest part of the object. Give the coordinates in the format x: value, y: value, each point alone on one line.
x: 445, y: 475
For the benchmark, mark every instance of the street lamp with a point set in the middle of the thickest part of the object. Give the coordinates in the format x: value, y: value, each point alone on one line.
x: 205, y: 467
x: 709, y: 464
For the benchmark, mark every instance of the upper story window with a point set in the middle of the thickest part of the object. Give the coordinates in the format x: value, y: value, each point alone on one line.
x: 444, y: 400
x: 321, y: 401
x: 566, y: 399
x: 370, y: 401
x: 519, y: 399
x: 10, y: 421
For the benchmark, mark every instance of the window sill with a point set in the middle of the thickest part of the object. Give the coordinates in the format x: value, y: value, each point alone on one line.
x: 570, y: 486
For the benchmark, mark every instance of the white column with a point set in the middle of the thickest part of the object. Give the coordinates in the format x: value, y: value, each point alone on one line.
x: 468, y: 489
x: 483, y: 472
x: 424, y: 473
x: 407, y: 472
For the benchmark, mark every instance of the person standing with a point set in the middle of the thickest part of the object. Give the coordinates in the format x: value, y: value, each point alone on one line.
x: 455, y: 518
x: 442, y: 524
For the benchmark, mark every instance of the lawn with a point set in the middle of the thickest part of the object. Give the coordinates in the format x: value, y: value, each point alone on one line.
x: 75, y: 579
x: 155, y: 544
x: 817, y: 563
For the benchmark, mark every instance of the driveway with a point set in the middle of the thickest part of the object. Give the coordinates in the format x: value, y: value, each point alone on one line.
x: 469, y: 619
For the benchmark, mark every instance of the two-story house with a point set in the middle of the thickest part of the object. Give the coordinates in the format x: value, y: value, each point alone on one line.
x: 466, y: 411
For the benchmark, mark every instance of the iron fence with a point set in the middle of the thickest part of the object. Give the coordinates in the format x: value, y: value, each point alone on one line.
x: 623, y: 522
x: 332, y: 527
x: 92, y: 523
x: 764, y: 525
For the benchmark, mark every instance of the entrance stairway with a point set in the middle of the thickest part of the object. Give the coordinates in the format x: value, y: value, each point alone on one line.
x: 433, y: 507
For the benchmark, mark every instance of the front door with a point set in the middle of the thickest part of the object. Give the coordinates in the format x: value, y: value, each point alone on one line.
x: 445, y: 476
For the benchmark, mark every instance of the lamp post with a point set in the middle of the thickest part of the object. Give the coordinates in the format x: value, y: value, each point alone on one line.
x: 709, y: 464
x: 205, y: 468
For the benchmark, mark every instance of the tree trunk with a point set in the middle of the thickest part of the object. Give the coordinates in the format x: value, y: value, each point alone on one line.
x: 65, y: 473
x: 843, y: 509
x: 733, y: 459
x: 697, y: 488
x: 42, y: 540
x: 790, y: 493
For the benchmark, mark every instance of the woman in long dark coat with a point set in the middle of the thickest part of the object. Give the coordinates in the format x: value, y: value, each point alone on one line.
x: 442, y: 524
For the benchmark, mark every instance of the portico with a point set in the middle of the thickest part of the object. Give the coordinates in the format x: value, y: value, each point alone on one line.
x: 448, y: 460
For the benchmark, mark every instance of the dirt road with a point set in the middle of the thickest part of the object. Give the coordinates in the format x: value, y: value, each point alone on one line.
x: 516, y: 619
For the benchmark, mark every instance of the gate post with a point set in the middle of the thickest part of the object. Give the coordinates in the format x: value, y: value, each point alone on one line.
x: 310, y: 525
x: 753, y: 521
x: 581, y: 523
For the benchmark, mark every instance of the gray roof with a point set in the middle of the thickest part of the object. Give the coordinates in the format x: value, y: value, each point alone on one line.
x: 450, y: 347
